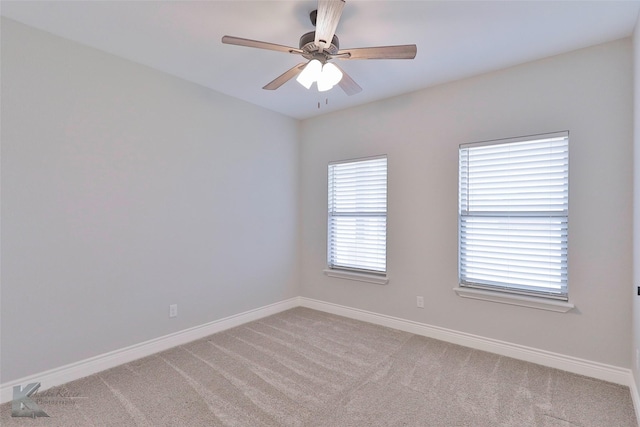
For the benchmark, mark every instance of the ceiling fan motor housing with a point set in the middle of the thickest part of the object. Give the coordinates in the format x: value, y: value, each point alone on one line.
x: 308, y: 46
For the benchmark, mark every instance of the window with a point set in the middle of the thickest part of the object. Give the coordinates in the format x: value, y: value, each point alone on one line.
x: 357, y: 219
x: 513, y: 210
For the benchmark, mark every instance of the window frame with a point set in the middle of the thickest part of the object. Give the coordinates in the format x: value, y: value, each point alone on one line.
x: 509, y: 292
x: 354, y: 272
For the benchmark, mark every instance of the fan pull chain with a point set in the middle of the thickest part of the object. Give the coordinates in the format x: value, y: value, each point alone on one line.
x: 326, y: 102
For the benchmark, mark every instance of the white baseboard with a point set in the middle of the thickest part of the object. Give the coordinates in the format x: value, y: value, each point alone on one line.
x: 572, y: 364
x: 83, y: 368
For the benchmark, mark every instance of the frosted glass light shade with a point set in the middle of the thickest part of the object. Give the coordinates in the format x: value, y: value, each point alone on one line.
x: 324, y: 85
x: 331, y: 74
x: 329, y: 77
x: 310, y: 74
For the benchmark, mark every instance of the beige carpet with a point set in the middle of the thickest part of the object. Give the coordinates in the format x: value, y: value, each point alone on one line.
x: 308, y: 368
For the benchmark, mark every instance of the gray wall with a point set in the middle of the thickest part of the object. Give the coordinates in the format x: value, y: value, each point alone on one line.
x: 636, y: 206
x: 125, y: 190
x: 589, y: 93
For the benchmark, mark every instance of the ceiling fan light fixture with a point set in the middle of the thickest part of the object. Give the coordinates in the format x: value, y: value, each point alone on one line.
x: 310, y: 74
x: 326, y: 76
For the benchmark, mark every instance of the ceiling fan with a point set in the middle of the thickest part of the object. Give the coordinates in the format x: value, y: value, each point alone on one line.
x: 321, y: 46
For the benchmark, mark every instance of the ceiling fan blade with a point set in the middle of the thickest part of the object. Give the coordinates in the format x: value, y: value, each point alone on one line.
x: 406, y: 51
x: 285, y: 77
x: 327, y: 18
x: 348, y: 85
x: 258, y: 44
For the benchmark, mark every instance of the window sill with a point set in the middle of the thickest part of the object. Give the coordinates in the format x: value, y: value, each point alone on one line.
x: 361, y: 277
x: 520, y: 300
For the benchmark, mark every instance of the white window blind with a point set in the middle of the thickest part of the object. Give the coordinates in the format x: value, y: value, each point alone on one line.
x: 513, y: 212
x: 357, y: 219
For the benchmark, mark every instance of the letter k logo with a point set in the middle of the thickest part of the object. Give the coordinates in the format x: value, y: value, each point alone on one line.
x: 22, y: 405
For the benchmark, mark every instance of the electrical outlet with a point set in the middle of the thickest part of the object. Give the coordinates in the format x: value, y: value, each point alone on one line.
x: 173, y: 310
x: 420, y: 302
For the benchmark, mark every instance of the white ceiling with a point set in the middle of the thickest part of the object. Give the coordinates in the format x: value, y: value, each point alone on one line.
x: 455, y: 39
